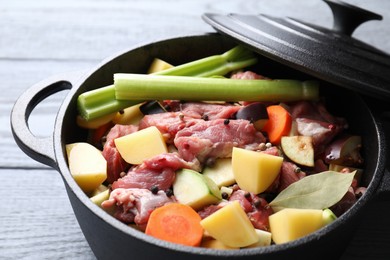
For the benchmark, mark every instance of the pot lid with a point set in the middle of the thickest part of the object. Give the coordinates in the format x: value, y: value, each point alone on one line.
x: 332, y: 55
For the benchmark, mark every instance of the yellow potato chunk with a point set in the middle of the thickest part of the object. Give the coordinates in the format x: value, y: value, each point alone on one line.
x: 141, y: 145
x: 231, y: 226
x: 264, y: 238
x: 215, y: 244
x: 94, y: 123
x: 221, y: 173
x: 129, y: 116
x: 290, y: 224
x: 87, y: 165
x: 69, y: 148
x: 255, y: 171
x: 158, y: 65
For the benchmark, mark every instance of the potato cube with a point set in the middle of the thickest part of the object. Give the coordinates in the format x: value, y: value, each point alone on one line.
x: 231, y: 226
x: 141, y: 145
x: 264, y: 238
x: 158, y: 65
x: 221, y: 173
x: 290, y: 224
x: 87, y: 165
x: 255, y: 171
x: 129, y: 116
x: 94, y: 123
x: 215, y: 244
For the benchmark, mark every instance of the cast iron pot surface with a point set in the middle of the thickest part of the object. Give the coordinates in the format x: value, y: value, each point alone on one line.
x: 109, y: 238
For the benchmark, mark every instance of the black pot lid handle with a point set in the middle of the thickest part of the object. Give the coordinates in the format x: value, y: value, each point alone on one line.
x: 346, y: 17
x: 332, y: 55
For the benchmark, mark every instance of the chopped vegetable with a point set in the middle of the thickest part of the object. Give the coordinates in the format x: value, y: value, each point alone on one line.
x: 99, y: 198
x: 328, y: 216
x: 87, y: 166
x: 221, y: 172
x: 299, y: 149
x: 177, y: 223
x: 216, y: 244
x: 99, y: 190
x: 278, y: 124
x: 231, y: 226
x: 256, y: 113
x: 216, y: 65
x: 195, y: 190
x: 129, y: 115
x: 345, y: 151
x: 141, y: 145
x: 95, y: 123
x: 96, y: 135
x: 151, y: 87
x: 101, y: 101
x: 265, y: 238
x: 254, y: 171
x: 290, y: 224
x: 159, y: 65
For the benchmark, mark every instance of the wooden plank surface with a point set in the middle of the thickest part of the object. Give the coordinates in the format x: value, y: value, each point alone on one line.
x: 42, y: 38
x: 17, y: 76
x: 45, y: 229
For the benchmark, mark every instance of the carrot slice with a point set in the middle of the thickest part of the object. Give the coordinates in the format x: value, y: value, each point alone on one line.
x: 177, y: 223
x: 278, y: 124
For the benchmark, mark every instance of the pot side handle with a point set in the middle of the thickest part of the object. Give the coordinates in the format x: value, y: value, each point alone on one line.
x: 40, y: 149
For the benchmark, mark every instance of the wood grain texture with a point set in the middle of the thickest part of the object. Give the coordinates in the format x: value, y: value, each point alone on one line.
x: 42, y: 38
x: 17, y: 76
x: 37, y: 221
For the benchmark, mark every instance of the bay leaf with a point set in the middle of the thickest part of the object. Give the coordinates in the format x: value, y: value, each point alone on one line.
x: 317, y: 191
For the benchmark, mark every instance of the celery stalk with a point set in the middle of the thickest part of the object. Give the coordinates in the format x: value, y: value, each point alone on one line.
x: 217, y: 65
x: 99, y: 102
x: 151, y: 87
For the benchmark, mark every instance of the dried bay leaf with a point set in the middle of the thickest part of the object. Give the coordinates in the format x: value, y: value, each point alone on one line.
x: 317, y: 191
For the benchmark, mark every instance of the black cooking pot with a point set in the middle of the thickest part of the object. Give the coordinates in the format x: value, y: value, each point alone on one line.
x: 111, y: 239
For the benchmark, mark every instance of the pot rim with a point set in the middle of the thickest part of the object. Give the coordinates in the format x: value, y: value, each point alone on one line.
x: 62, y: 167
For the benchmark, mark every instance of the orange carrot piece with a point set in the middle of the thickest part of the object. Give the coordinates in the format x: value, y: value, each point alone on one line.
x: 98, y: 133
x: 177, y: 223
x: 278, y: 124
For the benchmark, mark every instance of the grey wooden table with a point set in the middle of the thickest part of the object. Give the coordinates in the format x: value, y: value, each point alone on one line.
x: 42, y: 38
